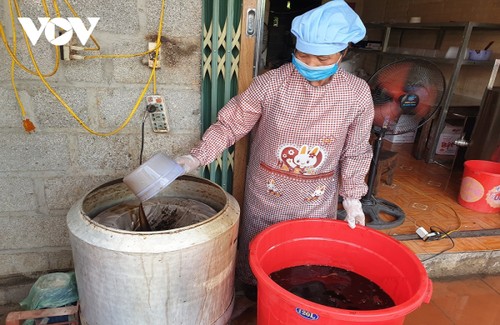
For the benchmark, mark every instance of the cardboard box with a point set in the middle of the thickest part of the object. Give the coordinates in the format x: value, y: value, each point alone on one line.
x: 405, y: 122
x: 408, y: 137
x: 446, y: 145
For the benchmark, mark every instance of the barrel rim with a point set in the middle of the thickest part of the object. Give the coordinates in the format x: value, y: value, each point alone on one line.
x: 83, y: 228
x: 421, y: 295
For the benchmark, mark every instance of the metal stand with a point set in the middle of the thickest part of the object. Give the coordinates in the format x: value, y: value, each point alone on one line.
x: 372, y: 206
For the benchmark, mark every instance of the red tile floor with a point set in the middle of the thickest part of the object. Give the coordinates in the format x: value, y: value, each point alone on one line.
x: 463, y: 301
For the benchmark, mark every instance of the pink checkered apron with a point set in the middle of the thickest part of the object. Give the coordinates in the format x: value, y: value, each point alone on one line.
x: 308, y: 144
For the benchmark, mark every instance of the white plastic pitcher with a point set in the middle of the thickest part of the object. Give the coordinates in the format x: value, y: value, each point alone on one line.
x: 153, y: 176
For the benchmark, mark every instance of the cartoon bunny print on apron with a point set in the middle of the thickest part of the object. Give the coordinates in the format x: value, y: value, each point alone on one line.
x: 302, y: 161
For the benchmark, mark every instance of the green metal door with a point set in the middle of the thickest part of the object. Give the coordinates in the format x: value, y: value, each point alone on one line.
x: 220, y: 58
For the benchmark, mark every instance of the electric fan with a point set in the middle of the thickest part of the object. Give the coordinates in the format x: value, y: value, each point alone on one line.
x: 406, y: 94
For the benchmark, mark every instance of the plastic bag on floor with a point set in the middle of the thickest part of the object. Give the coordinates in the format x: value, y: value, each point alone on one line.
x: 51, y: 291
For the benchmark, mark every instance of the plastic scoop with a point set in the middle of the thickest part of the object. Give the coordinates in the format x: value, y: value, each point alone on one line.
x: 153, y: 176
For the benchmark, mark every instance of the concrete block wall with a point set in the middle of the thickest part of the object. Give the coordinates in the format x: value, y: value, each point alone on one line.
x: 42, y: 174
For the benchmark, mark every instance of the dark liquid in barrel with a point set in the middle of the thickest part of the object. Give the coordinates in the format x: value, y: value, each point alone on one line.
x: 333, y: 287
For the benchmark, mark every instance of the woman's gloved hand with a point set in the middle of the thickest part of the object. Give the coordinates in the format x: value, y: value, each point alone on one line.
x: 355, y: 215
x: 188, y: 162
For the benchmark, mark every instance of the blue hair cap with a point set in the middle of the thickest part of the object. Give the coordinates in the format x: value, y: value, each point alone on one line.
x: 327, y: 29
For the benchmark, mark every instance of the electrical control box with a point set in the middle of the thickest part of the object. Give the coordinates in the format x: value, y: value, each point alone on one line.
x: 158, y: 113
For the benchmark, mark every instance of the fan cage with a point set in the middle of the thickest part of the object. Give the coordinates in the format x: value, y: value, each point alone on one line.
x: 406, y: 95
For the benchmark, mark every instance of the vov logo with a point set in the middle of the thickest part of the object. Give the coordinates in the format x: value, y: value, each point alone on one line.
x: 69, y: 25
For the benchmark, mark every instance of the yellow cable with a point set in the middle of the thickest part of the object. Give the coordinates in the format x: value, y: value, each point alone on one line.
x: 47, y: 85
x: 121, y: 56
x: 127, y: 120
x: 129, y: 117
x: 98, y: 47
x: 109, y: 56
x: 12, y: 72
x: 45, y: 7
x: 12, y: 55
x: 27, y: 124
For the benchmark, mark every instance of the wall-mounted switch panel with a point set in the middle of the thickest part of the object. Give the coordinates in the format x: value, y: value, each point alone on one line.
x: 155, y: 105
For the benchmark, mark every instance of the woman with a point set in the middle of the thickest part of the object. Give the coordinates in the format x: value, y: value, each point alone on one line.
x: 310, y: 125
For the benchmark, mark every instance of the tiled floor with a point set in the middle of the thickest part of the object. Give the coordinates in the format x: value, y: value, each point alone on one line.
x: 473, y: 300
x: 428, y: 194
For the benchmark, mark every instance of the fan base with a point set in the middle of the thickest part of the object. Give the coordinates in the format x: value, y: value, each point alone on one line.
x: 372, y: 207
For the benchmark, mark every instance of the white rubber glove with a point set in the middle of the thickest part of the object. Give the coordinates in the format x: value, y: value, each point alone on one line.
x: 188, y: 162
x: 354, y: 211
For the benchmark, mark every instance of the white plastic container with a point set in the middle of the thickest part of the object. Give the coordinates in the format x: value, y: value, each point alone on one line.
x: 479, y: 55
x: 182, y: 276
x: 453, y: 52
x: 153, y: 176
